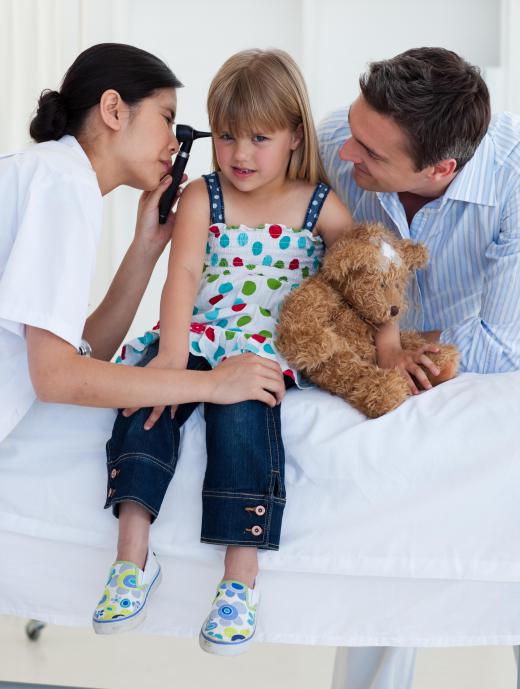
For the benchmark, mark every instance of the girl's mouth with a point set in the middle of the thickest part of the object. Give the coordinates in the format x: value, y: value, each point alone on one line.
x: 242, y: 171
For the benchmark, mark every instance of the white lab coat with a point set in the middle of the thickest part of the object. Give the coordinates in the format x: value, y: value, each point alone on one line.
x: 51, y: 210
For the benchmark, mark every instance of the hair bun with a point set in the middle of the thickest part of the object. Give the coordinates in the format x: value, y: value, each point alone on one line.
x: 50, y: 121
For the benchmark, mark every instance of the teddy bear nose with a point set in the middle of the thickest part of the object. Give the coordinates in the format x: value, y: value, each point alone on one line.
x: 394, y: 310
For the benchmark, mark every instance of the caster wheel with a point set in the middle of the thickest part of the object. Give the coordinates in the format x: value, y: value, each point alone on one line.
x: 33, y: 629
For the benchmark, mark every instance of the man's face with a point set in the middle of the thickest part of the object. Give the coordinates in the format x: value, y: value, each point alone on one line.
x: 378, y: 149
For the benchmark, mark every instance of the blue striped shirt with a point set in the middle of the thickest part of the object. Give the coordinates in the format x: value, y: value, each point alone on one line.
x: 470, y: 289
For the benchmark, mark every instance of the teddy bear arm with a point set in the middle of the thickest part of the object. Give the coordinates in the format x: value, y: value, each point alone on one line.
x: 305, y: 334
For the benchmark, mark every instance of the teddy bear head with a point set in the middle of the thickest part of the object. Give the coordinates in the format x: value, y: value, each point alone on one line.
x: 370, y: 268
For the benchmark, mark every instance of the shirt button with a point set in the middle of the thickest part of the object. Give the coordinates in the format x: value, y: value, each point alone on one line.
x: 260, y: 510
x: 113, y: 473
x: 257, y: 531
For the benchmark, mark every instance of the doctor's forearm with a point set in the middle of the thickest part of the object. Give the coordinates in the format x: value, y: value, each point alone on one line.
x: 60, y: 375
x: 107, y: 326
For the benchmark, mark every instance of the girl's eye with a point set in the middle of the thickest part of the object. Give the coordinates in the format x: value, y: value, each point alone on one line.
x: 258, y: 138
x: 226, y: 137
x: 371, y: 155
x: 170, y: 120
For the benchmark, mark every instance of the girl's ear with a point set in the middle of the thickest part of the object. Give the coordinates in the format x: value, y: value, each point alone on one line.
x: 297, y: 137
x: 113, y: 109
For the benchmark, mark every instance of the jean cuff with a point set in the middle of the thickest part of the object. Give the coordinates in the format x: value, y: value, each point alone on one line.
x: 140, y: 479
x: 241, y: 519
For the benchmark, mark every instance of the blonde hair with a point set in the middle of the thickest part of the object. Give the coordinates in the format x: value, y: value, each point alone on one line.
x: 257, y: 90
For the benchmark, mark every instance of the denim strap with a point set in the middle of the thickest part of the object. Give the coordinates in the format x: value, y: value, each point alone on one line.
x: 315, y: 205
x: 216, y: 198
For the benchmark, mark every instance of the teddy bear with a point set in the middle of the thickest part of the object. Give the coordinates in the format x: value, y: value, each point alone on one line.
x: 327, y: 325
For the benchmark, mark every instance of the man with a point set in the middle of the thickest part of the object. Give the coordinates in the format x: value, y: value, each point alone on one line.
x: 418, y: 151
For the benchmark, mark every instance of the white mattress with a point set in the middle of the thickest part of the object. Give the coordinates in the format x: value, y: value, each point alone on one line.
x: 403, y: 530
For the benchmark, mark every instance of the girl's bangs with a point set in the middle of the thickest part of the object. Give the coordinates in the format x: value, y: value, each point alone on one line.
x: 246, y: 111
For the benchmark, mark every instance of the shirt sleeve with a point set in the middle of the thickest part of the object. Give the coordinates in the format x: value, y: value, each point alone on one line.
x: 49, y: 269
x: 490, y: 342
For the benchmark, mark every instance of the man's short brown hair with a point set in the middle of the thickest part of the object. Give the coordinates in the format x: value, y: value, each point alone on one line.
x: 438, y: 99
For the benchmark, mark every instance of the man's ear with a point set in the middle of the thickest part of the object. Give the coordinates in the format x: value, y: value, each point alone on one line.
x: 297, y: 137
x: 113, y: 109
x: 444, y: 169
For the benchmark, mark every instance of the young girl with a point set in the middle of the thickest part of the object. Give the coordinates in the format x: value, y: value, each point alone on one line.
x: 270, y: 214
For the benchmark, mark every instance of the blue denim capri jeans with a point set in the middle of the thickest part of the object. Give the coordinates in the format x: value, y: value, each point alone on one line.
x: 243, y: 495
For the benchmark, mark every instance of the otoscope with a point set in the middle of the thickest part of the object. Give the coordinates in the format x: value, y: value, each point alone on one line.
x: 186, y: 135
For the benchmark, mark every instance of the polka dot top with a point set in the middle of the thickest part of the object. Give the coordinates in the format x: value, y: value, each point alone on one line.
x: 248, y: 271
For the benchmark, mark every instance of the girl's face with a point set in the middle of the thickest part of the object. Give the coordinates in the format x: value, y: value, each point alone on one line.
x: 257, y: 160
x: 147, y: 141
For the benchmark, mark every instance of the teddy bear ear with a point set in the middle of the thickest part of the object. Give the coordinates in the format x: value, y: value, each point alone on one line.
x: 347, y: 254
x: 414, y: 255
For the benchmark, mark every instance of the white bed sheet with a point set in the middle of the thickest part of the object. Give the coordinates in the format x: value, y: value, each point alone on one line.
x: 403, y: 530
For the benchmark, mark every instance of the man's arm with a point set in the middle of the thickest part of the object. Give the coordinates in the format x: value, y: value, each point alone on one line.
x: 490, y: 342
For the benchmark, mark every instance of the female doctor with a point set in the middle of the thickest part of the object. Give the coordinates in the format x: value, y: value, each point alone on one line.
x: 110, y: 124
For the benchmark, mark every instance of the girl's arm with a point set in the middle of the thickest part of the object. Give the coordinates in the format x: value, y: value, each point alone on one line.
x: 184, y: 272
x: 334, y: 220
x: 107, y: 326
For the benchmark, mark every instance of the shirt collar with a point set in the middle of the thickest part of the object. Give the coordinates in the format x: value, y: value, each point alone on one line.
x: 475, y: 183
x: 73, y: 143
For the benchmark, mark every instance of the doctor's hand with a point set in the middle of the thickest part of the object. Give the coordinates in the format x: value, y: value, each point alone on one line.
x: 247, y: 377
x: 150, y: 235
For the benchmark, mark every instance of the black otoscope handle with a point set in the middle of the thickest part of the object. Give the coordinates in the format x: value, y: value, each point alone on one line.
x: 167, y: 199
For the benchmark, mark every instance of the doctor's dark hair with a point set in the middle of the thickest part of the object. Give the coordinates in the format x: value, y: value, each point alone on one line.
x: 439, y: 100
x: 132, y: 72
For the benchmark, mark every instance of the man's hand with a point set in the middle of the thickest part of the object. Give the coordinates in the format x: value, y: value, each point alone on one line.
x: 411, y: 365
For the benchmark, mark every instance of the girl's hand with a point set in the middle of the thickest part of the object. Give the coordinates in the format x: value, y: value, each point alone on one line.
x: 409, y: 363
x: 247, y: 377
x: 149, y: 233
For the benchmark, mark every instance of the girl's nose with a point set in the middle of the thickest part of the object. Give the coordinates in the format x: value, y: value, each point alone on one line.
x: 241, y: 149
x: 348, y: 152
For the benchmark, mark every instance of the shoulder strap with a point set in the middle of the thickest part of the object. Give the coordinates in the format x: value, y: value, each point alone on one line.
x: 216, y: 199
x: 315, y: 205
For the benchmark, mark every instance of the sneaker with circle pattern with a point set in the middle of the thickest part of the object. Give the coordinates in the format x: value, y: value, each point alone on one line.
x: 123, y: 604
x: 231, y: 623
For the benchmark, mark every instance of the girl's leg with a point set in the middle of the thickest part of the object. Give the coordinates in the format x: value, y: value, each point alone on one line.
x: 243, y: 495
x: 140, y: 466
x: 243, y: 500
x: 134, y: 531
x: 241, y: 564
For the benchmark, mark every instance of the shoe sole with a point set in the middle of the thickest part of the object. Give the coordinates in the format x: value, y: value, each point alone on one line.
x: 223, y: 649
x: 126, y: 624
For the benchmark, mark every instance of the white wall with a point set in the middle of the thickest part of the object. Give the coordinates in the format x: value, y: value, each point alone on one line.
x: 331, y: 39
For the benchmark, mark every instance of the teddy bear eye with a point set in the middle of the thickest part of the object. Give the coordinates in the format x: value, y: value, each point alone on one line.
x: 382, y: 283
